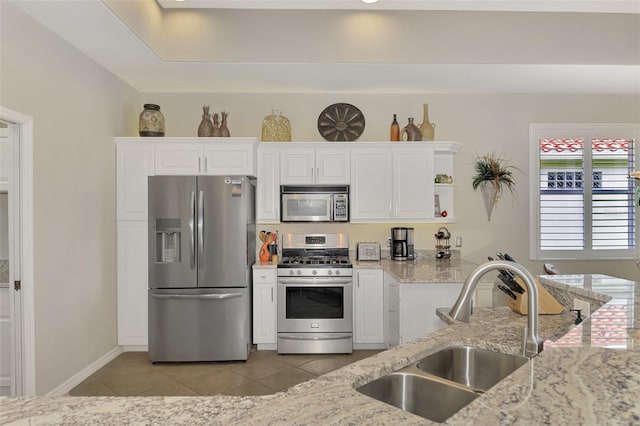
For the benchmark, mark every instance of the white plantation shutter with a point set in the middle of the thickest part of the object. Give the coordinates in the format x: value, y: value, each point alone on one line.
x: 583, y: 199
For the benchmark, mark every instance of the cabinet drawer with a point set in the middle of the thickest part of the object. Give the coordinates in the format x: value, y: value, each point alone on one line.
x: 264, y: 276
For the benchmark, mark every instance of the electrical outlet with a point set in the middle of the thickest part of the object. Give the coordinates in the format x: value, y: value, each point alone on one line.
x: 458, y: 241
x: 584, y: 306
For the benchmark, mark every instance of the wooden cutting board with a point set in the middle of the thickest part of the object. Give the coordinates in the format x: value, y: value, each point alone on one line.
x: 547, y: 304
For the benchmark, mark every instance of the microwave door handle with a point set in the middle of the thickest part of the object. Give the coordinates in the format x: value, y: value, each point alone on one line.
x: 192, y: 233
x: 201, y: 226
x: 332, y: 207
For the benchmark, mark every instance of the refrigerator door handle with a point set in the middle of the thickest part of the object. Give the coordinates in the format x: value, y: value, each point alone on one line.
x: 192, y: 246
x: 201, y: 226
x: 215, y: 296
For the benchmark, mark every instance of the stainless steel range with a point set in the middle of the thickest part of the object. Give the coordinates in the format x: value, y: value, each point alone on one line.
x: 315, y: 294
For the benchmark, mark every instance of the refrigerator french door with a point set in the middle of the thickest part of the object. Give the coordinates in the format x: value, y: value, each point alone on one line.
x: 201, y: 248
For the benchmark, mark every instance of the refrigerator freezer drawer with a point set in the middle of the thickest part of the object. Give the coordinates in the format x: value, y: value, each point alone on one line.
x: 200, y: 324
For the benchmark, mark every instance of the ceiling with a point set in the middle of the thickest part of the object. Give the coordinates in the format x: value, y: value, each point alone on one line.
x: 264, y: 46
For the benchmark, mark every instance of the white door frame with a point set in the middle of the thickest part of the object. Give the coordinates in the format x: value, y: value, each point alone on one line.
x: 23, y: 301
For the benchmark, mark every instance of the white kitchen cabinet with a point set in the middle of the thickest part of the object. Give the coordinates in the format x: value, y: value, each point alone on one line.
x: 368, y: 309
x: 371, y: 186
x: 205, y: 156
x: 132, y: 283
x: 134, y: 165
x: 395, y: 182
x: 413, y: 184
x: 418, y: 304
x: 308, y: 165
x: 138, y: 158
x: 264, y: 308
x: 392, y: 184
x: 268, y: 189
x: 412, y: 308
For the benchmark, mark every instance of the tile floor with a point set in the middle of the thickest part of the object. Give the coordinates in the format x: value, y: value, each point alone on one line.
x: 265, y: 372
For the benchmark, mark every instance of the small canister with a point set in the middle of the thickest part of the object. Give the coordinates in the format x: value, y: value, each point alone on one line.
x: 151, y: 121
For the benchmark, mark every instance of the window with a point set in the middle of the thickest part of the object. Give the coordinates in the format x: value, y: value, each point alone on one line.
x: 583, y: 201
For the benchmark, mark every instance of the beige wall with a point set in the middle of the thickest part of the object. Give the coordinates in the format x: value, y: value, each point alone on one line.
x: 78, y: 108
x: 481, y: 122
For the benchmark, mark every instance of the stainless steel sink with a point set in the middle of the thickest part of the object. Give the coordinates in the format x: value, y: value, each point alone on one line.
x: 476, y: 368
x: 439, y: 385
x: 419, y: 395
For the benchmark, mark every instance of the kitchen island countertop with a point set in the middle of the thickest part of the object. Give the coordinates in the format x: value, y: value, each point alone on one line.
x: 587, y: 374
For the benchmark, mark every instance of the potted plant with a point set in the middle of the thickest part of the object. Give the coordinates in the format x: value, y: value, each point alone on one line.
x: 492, y: 176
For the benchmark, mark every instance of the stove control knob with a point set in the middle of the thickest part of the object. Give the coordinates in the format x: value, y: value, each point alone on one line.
x: 338, y: 272
x: 299, y: 272
x: 291, y: 272
x: 330, y: 272
x: 314, y: 272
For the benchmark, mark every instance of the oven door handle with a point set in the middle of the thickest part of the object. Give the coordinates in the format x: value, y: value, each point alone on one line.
x: 311, y: 336
x: 315, y: 281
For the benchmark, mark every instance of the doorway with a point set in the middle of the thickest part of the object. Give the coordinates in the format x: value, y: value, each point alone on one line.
x: 17, y: 358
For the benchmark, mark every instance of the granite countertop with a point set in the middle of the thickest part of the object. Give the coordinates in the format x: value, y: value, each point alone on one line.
x: 425, y: 269
x: 587, y: 374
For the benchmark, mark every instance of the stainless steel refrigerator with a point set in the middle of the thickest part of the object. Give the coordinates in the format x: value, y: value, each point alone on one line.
x: 201, y: 248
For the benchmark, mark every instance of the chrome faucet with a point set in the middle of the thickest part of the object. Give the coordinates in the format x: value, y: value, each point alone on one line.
x: 462, y: 309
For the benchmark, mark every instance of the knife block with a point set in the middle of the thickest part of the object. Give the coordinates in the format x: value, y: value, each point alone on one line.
x: 547, y: 304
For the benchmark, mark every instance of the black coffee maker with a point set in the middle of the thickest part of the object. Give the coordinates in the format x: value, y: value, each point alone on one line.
x: 402, y: 244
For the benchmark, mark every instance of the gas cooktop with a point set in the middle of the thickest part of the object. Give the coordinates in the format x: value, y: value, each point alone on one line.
x: 335, y: 261
x: 315, y: 251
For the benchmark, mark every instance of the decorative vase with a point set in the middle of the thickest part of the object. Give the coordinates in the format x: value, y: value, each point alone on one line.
x: 224, y: 130
x: 205, y: 129
x: 428, y: 129
x: 395, y: 130
x: 216, y: 126
x: 412, y: 131
x: 264, y: 253
x: 151, y: 121
x: 276, y: 128
x: 490, y: 195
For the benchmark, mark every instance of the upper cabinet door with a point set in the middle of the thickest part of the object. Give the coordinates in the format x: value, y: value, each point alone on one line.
x: 309, y: 166
x: 371, y: 186
x: 179, y: 159
x: 134, y: 165
x: 413, y: 184
x: 297, y: 166
x: 235, y: 158
x: 268, y: 190
x: 332, y: 167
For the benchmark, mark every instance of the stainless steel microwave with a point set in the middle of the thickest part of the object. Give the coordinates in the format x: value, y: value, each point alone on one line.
x: 314, y: 203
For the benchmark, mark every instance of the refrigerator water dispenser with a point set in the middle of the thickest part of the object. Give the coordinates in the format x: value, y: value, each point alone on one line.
x: 167, y: 240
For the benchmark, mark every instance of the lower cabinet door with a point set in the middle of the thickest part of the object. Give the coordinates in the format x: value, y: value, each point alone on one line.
x: 264, y: 314
x: 418, y: 304
x: 368, y: 307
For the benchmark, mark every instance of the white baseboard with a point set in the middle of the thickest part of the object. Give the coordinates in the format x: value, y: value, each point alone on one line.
x: 82, y: 375
x: 361, y: 346
x: 135, y: 348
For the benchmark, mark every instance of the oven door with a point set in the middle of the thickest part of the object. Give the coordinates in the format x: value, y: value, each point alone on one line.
x: 315, y: 305
x: 306, y: 207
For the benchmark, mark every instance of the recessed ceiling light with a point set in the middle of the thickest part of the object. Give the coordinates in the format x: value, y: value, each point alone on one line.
x: 369, y: 1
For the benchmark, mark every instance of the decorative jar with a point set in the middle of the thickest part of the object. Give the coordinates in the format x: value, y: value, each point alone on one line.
x: 151, y: 121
